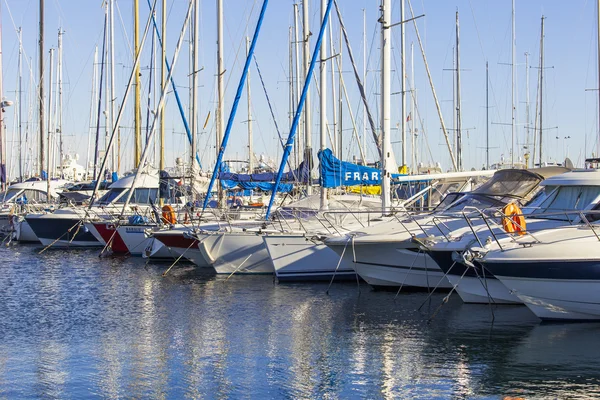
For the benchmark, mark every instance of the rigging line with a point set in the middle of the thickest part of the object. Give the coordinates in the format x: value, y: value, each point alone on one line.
x: 477, y: 30
x: 124, y: 30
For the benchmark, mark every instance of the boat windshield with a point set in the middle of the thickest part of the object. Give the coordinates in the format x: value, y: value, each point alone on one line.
x: 473, y: 200
x: 562, y: 199
x: 9, y: 194
x: 513, y: 183
x: 110, y: 196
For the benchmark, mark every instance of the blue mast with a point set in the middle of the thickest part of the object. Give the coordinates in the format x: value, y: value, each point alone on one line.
x: 290, y: 141
x: 238, y: 95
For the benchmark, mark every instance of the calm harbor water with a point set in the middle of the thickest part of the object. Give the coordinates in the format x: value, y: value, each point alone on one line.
x: 76, y: 326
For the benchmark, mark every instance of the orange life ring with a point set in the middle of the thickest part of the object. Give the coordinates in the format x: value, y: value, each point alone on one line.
x: 168, y: 215
x: 513, y: 220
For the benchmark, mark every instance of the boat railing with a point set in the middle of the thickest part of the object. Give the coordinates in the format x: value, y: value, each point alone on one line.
x: 496, y: 229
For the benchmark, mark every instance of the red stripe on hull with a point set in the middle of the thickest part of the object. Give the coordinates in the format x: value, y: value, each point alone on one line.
x: 117, y: 245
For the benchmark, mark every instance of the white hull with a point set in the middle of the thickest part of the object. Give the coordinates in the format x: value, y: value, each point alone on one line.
x: 235, y: 252
x: 66, y: 244
x: 294, y: 257
x: 557, y: 299
x: 23, y: 232
x: 138, y: 243
x: 472, y: 290
x: 392, y: 264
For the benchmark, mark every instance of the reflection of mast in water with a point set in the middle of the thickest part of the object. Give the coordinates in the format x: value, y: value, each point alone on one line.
x: 51, y: 370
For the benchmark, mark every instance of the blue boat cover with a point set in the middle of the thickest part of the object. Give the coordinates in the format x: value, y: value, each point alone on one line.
x: 335, y: 173
x: 264, y: 186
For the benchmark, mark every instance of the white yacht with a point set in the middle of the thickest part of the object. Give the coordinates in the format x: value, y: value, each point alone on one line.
x: 65, y: 227
x: 21, y: 198
x: 387, y: 254
x: 569, y: 192
x: 554, y: 272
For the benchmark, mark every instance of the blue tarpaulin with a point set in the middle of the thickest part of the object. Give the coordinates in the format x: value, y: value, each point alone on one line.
x: 264, y: 186
x: 335, y: 173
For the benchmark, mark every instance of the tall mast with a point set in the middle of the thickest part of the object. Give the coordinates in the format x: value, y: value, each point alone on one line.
x: 221, y: 90
x: 94, y: 83
x: 598, y: 44
x: 307, y: 110
x: 20, y: 105
x: 59, y: 120
x: 49, y: 139
x: 385, y: 20
x: 194, y: 116
x: 323, y: 100
x: 340, y: 122
x: 512, y: 88
x: 364, y: 80
x: 487, y: 116
x: 300, y: 140
x: 42, y: 155
x: 107, y: 96
x: 163, y: 81
x: 2, y: 133
x: 250, y: 149
x: 541, y: 87
x: 138, y: 94
x: 403, y: 81
x: 413, y: 134
x: 333, y: 101
x: 527, y: 124
x: 459, y: 161
x: 291, y: 93
x: 111, y: 93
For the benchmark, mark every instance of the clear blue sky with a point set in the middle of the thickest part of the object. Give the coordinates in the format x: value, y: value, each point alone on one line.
x: 570, y: 48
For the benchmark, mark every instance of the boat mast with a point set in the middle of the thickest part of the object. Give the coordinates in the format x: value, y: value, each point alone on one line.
x: 385, y: 20
x: 3, y: 171
x: 487, y: 116
x: 323, y: 100
x: 364, y: 71
x: 138, y: 94
x: 111, y: 94
x: 527, y: 110
x: 42, y: 155
x: 336, y: 142
x: 59, y: 121
x: 48, y: 141
x: 340, y: 116
x: 250, y: 149
x: 20, y: 105
x: 541, y: 87
x: 91, y: 130
x: 413, y: 107
x: 297, y: 83
x: 403, y: 82
x: 459, y: 160
x: 163, y: 81
x: 221, y: 92
x: 194, y: 116
x: 291, y: 94
x: 512, y: 87
x: 307, y: 110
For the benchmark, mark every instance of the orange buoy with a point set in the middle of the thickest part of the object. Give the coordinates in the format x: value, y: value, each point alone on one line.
x: 168, y: 215
x: 513, y: 220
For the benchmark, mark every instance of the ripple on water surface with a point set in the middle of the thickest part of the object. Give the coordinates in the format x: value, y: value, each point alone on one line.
x: 74, y: 325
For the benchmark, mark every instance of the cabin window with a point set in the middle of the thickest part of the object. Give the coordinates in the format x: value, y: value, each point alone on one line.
x: 110, y: 196
x: 8, y: 195
x: 141, y: 196
x: 35, y: 196
x: 568, y: 198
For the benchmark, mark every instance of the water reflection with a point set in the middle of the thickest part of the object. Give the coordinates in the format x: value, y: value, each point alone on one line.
x: 78, y: 326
